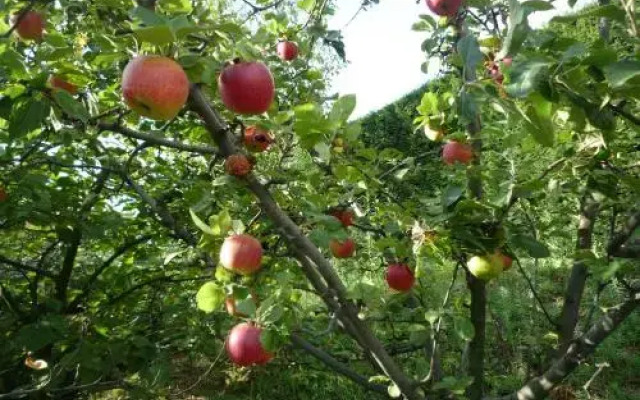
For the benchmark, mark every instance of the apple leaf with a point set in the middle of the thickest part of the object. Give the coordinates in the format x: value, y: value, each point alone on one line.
x: 464, y: 328
x: 535, y: 248
x: 539, y: 122
x: 538, y: 5
x: 418, y: 335
x: 525, y: 77
x: 609, y: 11
x: 210, y: 297
x: 71, y: 106
x: 431, y: 316
x: 158, y: 35
x: 451, y: 195
x: 469, y: 50
x: 200, y: 224
x: 246, y: 307
x: 518, y: 29
x: 147, y: 16
x: 270, y: 311
x: 27, y: 116
x: 306, y: 5
x: 343, y: 108
x: 177, y: 6
x: 620, y: 72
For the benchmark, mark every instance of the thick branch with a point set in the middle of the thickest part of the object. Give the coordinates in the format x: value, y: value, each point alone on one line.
x: 296, y: 239
x: 578, y: 278
x: 336, y: 365
x: 538, y: 388
x: 157, y: 140
x: 623, y: 235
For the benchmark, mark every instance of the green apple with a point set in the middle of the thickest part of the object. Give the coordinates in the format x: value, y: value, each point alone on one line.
x: 485, y: 267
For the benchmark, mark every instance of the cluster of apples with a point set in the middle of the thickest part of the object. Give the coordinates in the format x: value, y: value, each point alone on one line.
x: 242, y: 254
x: 489, y: 266
x: 342, y: 248
x: 495, y: 67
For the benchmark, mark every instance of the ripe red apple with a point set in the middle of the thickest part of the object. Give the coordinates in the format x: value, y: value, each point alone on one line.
x: 244, y: 347
x: 241, y: 254
x: 344, y: 249
x: 246, y: 87
x: 457, y: 152
x: 30, y: 27
x: 400, y: 277
x: 448, y: 8
x: 257, y: 139
x: 57, y: 83
x: 345, y: 216
x: 237, y: 165
x: 287, y: 51
x: 155, y: 87
x: 3, y: 195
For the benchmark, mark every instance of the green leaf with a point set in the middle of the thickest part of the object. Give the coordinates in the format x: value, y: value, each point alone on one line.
x: 538, y: 5
x: 158, y: 35
x: 535, y: 248
x: 451, y: 194
x: 246, y: 306
x: 620, y: 72
x: 470, y: 52
x: 394, y: 391
x: 610, y: 11
x: 27, y: 116
x: 431, y: 316
x: 177, y: 6
x: 343, y: 108
x: 539, y: 122
x: 200, y: 224
x: 71, y: 106
x: 464, y: 328
x: 147, y: 16
x: 210, y: 297
x: 518, y: 29
x: 306, y: 5
x: 525, y: 77
x: 270, y: 311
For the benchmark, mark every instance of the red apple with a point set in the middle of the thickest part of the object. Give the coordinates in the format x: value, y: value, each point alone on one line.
x: 246, y: 87
x: 448, y: 8
x: 400, y: 277
x: 287, y: 51
x: 241, y: 254
x: 237, y: 165
x: 344, y: 249
x: 257, y: 139
x: 244, y: 347
x: 155, y: 87
x: 457, y: 152
x: 345, y: 216
x: 507, y: 61
x: 3, y: 195
x: 57, y: 83
x: 31, y: 26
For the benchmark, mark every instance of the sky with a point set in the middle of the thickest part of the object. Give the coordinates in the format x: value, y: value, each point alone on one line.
x: 384, y: 53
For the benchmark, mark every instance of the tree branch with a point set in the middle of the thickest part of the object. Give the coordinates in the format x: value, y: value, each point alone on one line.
x: 336, y: 365
x: 623, y: 235
x: 24, y: 267
x: 539, y: 387
x: 553, y: 323
x: 73, y: 305
x: 156, y: 140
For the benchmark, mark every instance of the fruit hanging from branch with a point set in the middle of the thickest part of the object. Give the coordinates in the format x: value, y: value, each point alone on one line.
x: 257, y: 139
x: 485, y: 267
x: 287, y: 51
x: 506, y: 260
x: 400, y: 277
x: 444, y: 8
x: 457, y: 152
x: 241, y: 254
x: 237, y: 165
x: 246, y: 87
x: 344, y: 215
x: 244, y: 346
x: 155, y: 87
x: 31, y: 25
x: 342, y: 249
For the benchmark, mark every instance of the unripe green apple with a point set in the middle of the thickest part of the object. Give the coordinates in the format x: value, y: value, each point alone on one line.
x: 485, y: 267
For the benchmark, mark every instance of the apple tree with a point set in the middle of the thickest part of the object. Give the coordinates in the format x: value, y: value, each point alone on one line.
x: 165, y: 161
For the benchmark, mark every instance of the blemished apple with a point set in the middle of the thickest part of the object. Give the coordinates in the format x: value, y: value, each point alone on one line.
x: 58, y: 83
x: 155, y: 87
x: 244, y: 346
x: 485, y: 267
x: 342, y: 249
x: 237, y: 165
x: 30, y: 27
x: 257, y: 139
x: 345, y: 216
x: 287, y: 51
x: 448, y: 8
x: 457, y: 152
x: 241, y: 254
x: 400, y: 277
x: 246, y: 87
